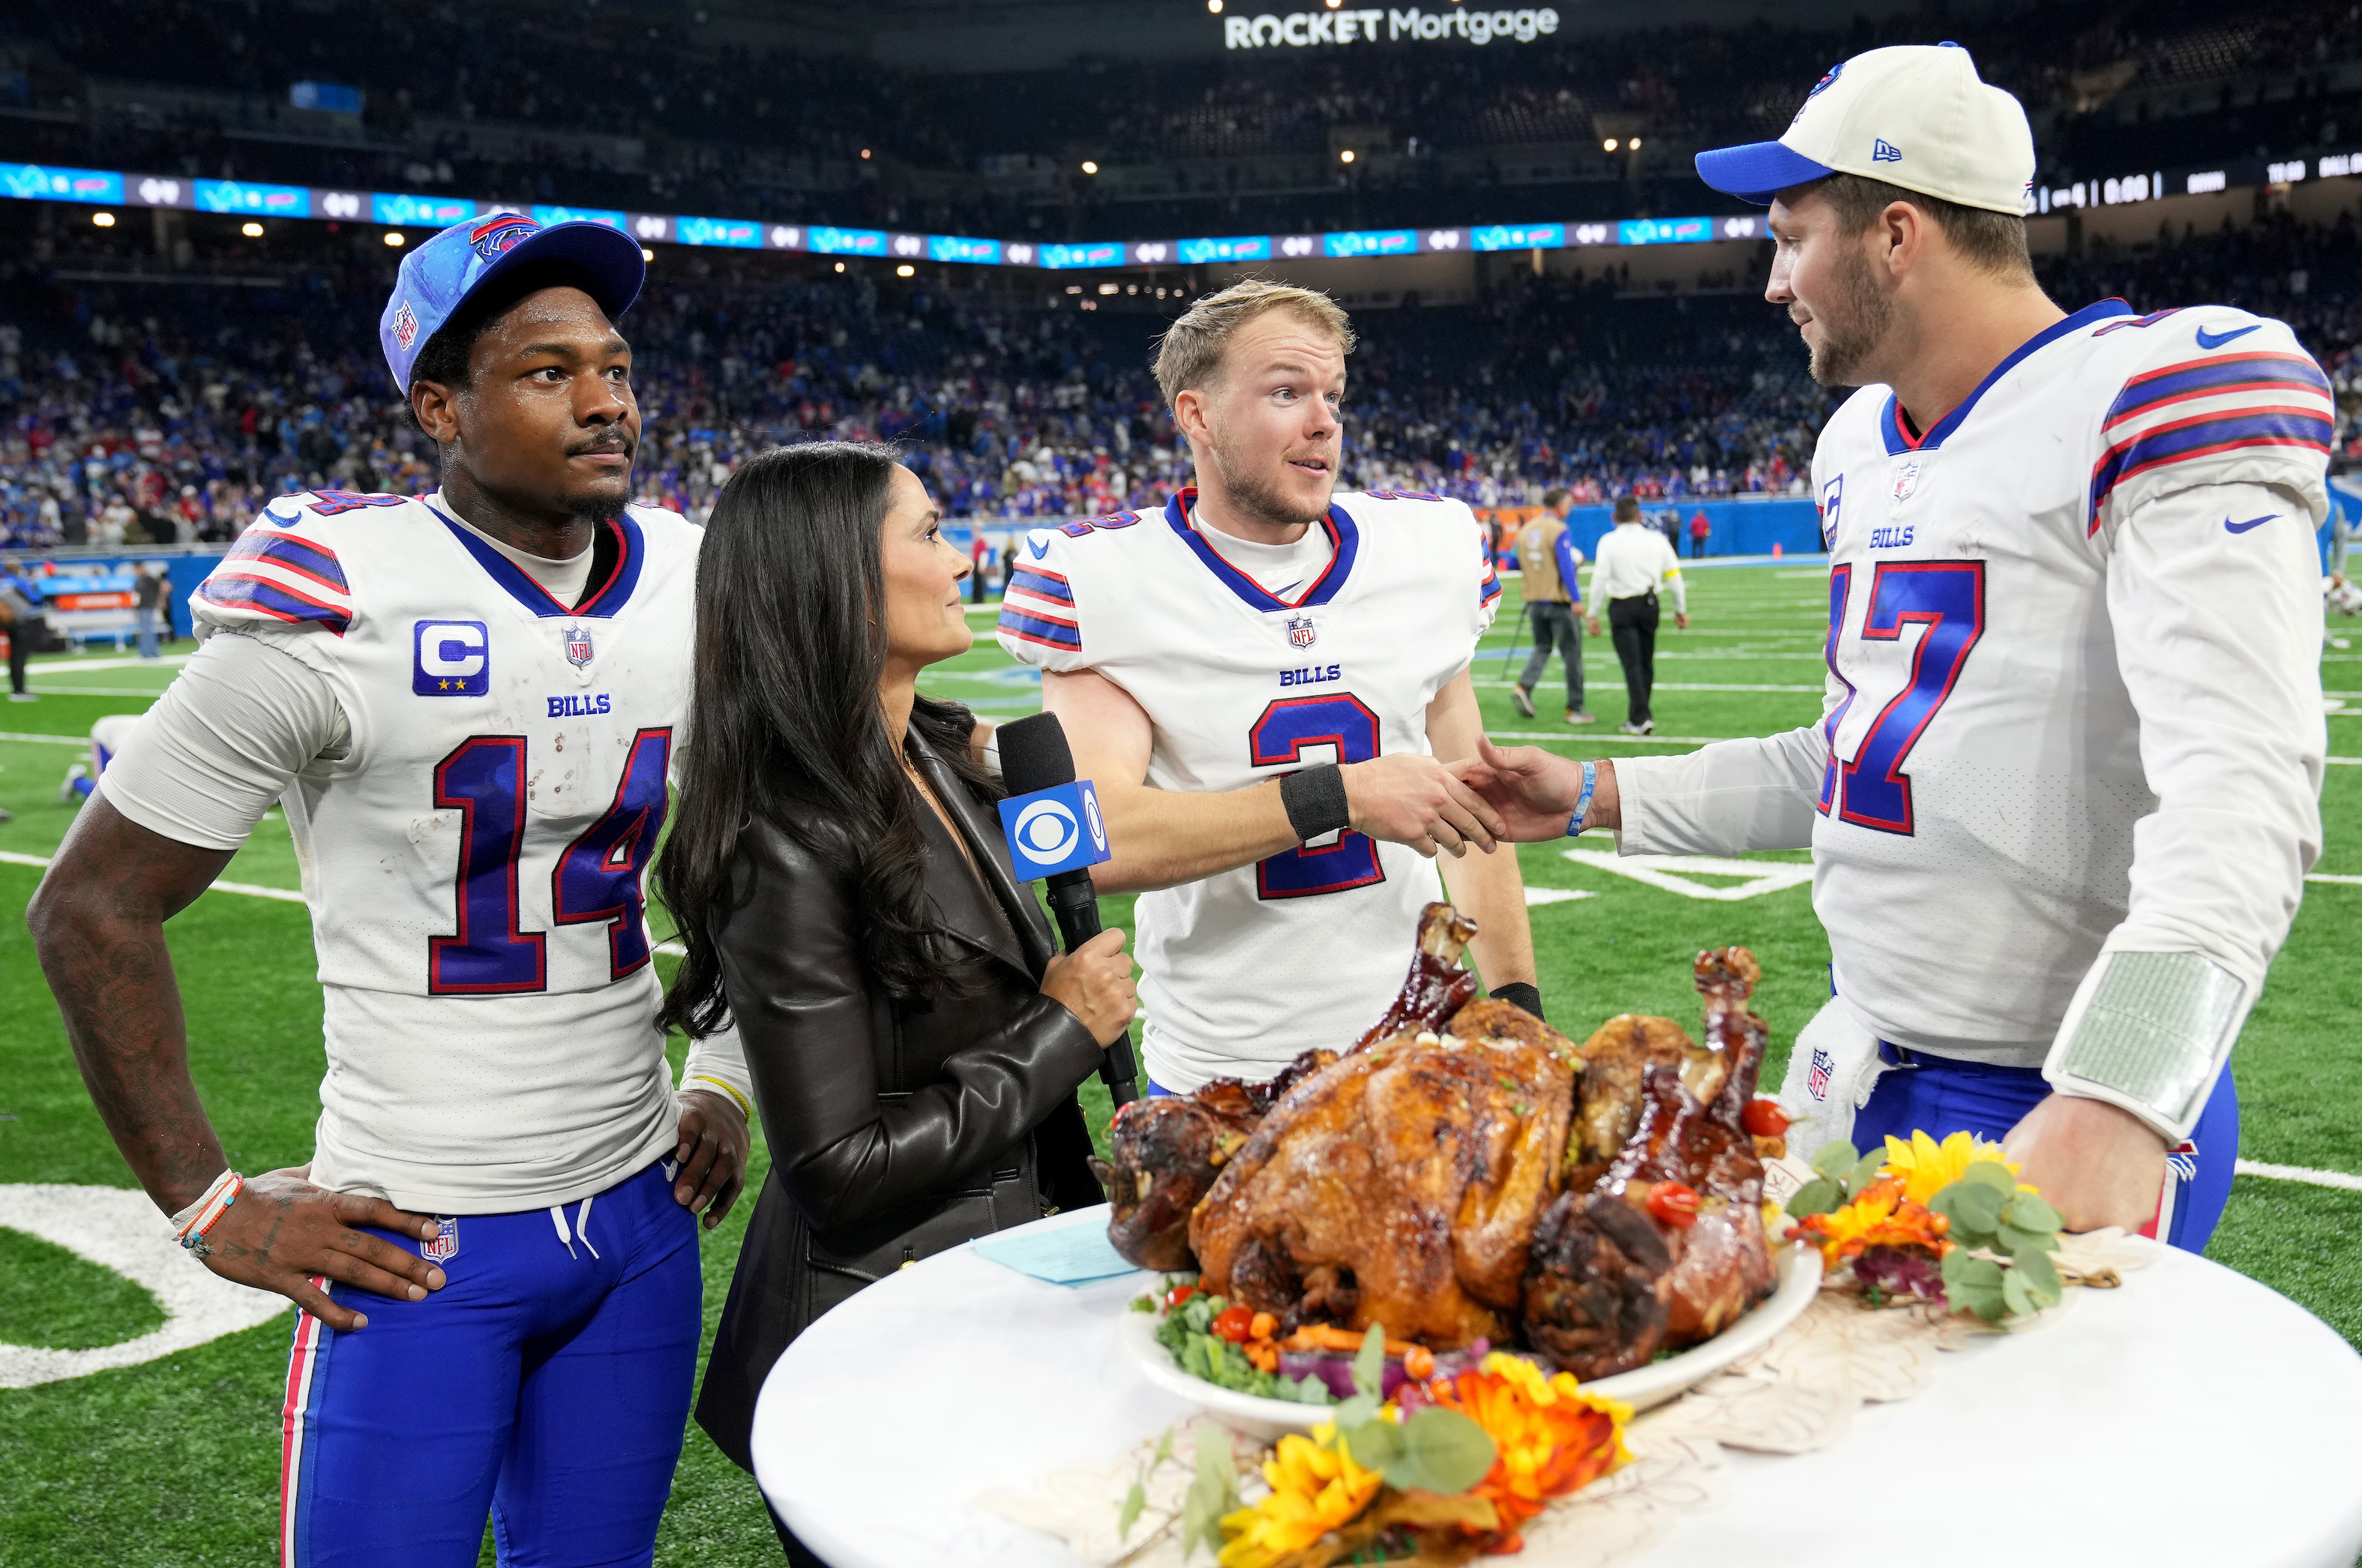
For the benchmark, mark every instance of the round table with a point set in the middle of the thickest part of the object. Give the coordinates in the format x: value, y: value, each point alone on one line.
x: 2193, y: 1417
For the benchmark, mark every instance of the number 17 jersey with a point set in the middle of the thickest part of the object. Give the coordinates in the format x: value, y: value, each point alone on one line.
x: 474, y: 860
x: 1244, y: 970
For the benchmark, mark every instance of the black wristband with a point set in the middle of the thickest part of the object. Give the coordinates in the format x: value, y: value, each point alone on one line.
x: 1521, y: 994
x: 1315, y: 801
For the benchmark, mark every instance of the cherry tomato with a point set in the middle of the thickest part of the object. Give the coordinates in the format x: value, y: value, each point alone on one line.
x: 1673, y: 1204
x: 1231, y: 1323
x: 1418, y: 1363
x: 1764, y: 1118
x: 1177, y: 1295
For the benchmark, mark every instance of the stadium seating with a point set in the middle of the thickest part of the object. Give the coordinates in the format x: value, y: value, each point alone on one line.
x: 1010, y: 405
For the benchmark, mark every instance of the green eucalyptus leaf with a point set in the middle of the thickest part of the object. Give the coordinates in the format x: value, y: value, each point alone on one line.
x: 2013, y: 1291
x: 2032, y: 1211
x: 1991, y: 1174
x: 1213, y: 1492
x: 1443, y: 1451
x: 1955, y: 1261
x: 1370, y: 1361
x: 1353, y: 1412
x: 1375, y: 1444
x: 1819, y: 1195
x: 2042, y: 1281
x: 1971, y: 1204
x: 1864, y: 1171
x: 1129, y: 1516
x: 1835, y: 1158
x: 2022, y: 1243
x: 1989, y: 1305
x: 1164, y: 1449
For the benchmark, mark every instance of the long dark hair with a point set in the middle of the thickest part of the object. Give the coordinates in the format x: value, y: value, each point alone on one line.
x: 784, y: 726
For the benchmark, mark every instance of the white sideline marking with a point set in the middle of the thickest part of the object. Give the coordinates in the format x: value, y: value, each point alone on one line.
x: 2343, y: 761
x: 82, y: 741
x: 1555, y: 895
x: 2311, y: 1177
x: 120, y: 1230
x: 252, y: 889
x: 1592, y: 733
x: 2326, y: 877
x: 1664, y: 871
x: 168, y: 661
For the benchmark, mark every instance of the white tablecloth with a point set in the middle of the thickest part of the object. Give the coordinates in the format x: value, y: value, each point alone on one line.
x: 2193, y: 1417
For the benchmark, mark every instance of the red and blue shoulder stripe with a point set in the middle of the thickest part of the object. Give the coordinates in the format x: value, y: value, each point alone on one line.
x: 1039, y: 626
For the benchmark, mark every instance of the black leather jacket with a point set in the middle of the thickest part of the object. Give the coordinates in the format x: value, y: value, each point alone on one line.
x: 895, y: 1132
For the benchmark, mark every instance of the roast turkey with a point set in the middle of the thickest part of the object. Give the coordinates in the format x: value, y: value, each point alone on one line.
x: 1464, y: 1171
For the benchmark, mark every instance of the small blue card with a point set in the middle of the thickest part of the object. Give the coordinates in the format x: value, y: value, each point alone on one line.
x: 1070, y: 1254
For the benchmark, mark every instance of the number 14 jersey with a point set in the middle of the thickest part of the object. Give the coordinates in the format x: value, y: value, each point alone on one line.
x: 474, y: 858
x: 1244, y: 970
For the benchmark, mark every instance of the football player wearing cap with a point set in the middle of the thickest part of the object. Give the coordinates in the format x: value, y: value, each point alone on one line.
x: 2061, y: 796
x: 468, y: 701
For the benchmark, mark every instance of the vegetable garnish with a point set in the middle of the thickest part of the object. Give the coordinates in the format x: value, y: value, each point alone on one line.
x: 1674, y: 1204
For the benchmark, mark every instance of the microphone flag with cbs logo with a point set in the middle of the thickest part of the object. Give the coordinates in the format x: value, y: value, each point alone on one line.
x: 1053, y: 830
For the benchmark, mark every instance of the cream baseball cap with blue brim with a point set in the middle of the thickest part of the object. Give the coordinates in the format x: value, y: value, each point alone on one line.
x: 1915, y: 115
x: 436, y: 278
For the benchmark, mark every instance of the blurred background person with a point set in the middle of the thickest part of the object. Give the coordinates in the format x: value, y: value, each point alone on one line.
x: 1553, y: 599
x: 843, y: 889
x: 1634, y: 561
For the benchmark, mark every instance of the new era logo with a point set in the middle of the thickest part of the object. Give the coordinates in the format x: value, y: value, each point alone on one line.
x: 1884, y: 151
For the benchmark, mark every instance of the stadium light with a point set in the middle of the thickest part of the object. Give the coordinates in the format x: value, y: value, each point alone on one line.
x: 840, y: 266
x: 865, y: 152
x: 1215, y: 7
x: 1346, y: 156
x: 252, y: 230
x: 104, y: 220
x: 1109, y: 288
x: 646, y: 254
x: 1609, y: 144
x: 1635, y: 144
x: 393, y: 237
x: 906, y: 271
x: 1089, y: 167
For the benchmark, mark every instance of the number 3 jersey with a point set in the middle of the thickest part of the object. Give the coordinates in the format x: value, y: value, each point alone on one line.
x: 473, y: 852
x: 2073, y: 700
x: 1244, y: 970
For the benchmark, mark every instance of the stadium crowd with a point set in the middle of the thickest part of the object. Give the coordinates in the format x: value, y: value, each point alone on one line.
x: 117, y: 428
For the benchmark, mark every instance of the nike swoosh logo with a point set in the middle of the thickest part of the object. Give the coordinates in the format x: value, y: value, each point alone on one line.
x: 2231, y: 527
x: 2212, y: 340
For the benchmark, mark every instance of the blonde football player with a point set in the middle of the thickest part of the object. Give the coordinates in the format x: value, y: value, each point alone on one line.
x: 2061, y: 800
x: 1265, y: 680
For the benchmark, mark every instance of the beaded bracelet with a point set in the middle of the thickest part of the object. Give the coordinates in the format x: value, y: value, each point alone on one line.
x: 190, y: 1225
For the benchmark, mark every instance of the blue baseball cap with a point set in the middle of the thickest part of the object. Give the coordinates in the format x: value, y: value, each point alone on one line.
x: 437, y: 276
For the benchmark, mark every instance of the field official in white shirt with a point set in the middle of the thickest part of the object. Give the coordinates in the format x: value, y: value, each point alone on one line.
x: 1635, y: 561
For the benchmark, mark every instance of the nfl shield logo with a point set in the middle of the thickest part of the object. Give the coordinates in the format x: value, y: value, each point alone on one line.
x: 446, y: 1244
x: 1906, y: 480
x: 1816, y: 1082
x: 405, y: 324
x: 578, y: 646
x: 1301, y: 633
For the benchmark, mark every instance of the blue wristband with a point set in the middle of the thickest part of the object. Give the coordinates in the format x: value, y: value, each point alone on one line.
x: 1583, y: 801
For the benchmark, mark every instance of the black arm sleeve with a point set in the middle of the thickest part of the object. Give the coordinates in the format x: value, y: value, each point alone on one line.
x: 811, y: 1026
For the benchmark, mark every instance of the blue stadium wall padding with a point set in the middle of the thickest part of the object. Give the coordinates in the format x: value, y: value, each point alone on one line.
x: 1741, y: 527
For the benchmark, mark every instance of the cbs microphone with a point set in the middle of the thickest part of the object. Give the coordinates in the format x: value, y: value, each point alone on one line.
x: 1056, y: 834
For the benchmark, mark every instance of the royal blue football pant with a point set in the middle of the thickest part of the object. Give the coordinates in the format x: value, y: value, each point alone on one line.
x: 546, y: 1384
x: 1940, y: 1096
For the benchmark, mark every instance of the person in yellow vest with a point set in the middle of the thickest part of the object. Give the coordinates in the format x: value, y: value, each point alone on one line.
x: 1547, y: 556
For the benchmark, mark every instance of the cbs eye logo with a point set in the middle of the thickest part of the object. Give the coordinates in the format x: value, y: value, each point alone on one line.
x: 1047, y: 831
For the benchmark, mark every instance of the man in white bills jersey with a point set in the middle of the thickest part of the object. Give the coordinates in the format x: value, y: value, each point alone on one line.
x: 1265, y: 680
x: 2062, y: 796
x: 469, y: 702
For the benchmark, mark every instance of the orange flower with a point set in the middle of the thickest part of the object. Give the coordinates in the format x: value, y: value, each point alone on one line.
x: 1881, y: 1216
x: 1549, y: 1436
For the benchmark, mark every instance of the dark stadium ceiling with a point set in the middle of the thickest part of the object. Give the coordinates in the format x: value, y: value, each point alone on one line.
x: 1030, y: 35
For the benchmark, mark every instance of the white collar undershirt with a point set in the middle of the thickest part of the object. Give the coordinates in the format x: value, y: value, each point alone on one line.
x: 562, y: 581
x: 1279, y: 570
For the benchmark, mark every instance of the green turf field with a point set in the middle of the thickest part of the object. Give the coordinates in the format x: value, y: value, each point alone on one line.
x: 174, y: 1462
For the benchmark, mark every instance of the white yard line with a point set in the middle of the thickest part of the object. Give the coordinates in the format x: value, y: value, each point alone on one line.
x: 2326, y: 877
x: 2305, y: 1173
x: 82, y: 741
x: 45, y: 665
x: 252, y: 889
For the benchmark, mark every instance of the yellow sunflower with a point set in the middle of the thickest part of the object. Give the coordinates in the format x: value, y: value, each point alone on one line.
x: 1927, y: 1167
x: 1315, y: 1487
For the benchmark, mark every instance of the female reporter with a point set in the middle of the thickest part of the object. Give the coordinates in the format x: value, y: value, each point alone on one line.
x: 841, y: 882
